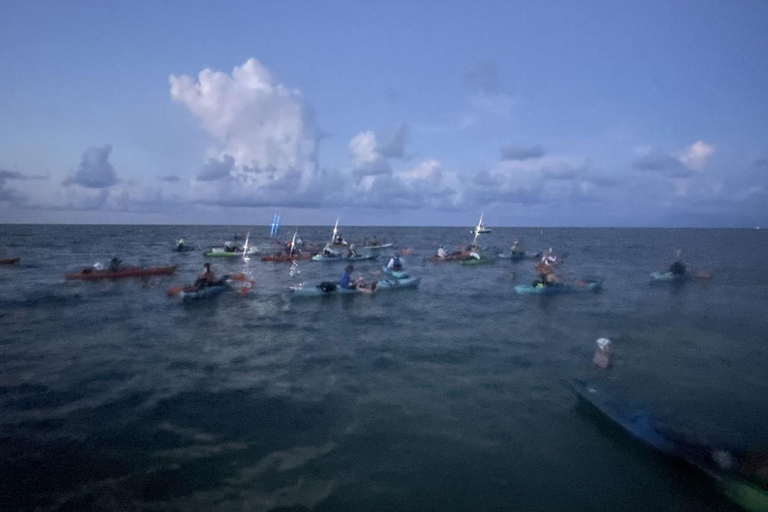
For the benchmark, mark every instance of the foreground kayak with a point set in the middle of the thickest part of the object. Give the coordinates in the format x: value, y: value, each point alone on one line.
x: 587, y: 286
x: 283, y: 257
x: 359, y: 257
x: 736, y: 483
x: 219, y: 252
x: 326, y: 289
x: 209, y: 292
x: 91, y: 274
x: 9, y: 261
x: 376, y: 247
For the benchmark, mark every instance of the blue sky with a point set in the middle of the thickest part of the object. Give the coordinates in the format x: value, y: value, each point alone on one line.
x: 537, y: 113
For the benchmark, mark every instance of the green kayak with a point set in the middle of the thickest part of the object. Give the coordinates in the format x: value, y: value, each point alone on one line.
x: 474, y: 261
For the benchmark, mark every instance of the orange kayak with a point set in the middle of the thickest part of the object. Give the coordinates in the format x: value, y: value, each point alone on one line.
x: 90, y: 274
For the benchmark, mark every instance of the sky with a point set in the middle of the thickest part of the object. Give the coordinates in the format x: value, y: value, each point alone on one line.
x: 591, y: 113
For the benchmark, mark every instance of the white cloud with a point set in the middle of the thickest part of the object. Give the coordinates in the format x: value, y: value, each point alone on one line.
x: 697, y: 154
x: 263, y: 126
x: 371, y: 155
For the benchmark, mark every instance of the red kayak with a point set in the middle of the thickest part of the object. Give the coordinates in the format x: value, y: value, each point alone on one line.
x: 10, y: 261
x: 91, y: 274
x: 287, y: 257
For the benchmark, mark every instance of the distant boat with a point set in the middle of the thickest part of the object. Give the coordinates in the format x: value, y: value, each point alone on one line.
x: 480, y: 229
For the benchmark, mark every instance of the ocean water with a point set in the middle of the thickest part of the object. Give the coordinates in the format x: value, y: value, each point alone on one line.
x: 451, y: 397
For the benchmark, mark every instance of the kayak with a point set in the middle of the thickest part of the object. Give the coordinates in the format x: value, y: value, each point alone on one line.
x: 629, y: 417
x: 10, y: 261
x: 738, y: 487
x: 475, y: 261
x: 588, y: 286
x: 519, y: 256
x: 184, y: 248
x: 220, y: 252
x: 448, y: 257
x: 359, y: 257
x: 91, y: 274
x: 329, y: 289
x: 209, y: 292
x: 668, y: 276
x: 395, y: 274
x: 376, y: 247
x: 283, y: 257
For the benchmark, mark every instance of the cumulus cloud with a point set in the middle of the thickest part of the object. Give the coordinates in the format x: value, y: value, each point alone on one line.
x: 94, y: 171
x: 264, y: 128
x: 216, y: 169
x: 371, y: 155
x: 514, y: 152
x: 692, y: 159
x: 697, y: 154
x: 171, y: 178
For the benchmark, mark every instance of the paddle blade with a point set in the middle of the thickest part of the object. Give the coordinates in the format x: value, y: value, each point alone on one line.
x: 247, y: 286
x: 237, y: 277
x: 175, y: 290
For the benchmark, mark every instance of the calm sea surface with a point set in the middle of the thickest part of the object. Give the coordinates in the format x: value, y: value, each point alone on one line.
x: 451, y: 397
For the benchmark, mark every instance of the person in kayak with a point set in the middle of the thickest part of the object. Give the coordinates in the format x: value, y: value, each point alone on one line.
x: 328, y: 252
x: 206, y: 278
x: 678, y: 268
x: 230, y: 247
x: 515, y: 249
x: 180, y: 244
x: 346, y: 278
x: 351, y: 252
x: 114, y: 264
x: 339, y: 240
x: 441, y: 252
x: 546, y: 270
x: 395, y: 263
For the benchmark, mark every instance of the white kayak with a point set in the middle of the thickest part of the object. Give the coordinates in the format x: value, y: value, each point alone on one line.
x: 377, y: 247
x: 328, y: 288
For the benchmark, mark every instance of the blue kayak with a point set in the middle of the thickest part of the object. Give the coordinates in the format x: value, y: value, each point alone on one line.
x: 208, y: 292
x: 587, y: 286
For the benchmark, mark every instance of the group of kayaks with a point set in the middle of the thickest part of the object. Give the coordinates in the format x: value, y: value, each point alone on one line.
x: 740, y: 474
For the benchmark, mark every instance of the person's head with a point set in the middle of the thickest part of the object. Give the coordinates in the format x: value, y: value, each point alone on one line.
x: 207, y: 267
x: 348, y: 269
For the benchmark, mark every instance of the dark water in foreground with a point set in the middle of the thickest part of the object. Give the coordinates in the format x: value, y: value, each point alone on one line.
x: 452, y: 397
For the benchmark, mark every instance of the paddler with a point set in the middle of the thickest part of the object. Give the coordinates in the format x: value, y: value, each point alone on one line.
x: 395, y: 263
x: 114, y: 264
x: 351, y: 253
x: 678, y: 267
x: 514, y: 249
x: 180, y: 245
x: 206, y: 278
x: 546, y: 269
x: 441, y: 252
x: 346, y: 278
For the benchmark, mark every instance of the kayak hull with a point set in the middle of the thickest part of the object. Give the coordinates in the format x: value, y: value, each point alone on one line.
x: 668, y: 277
x: 527, y: 289
x: 696, y: 452
x: 377, y: 247
x: 9, y: 261
x: 474, y: 261
x: 387, y: 284
x: 210, y: 292
x: 221, y: 253
x: 320, y: 257
x: 90, y: 274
